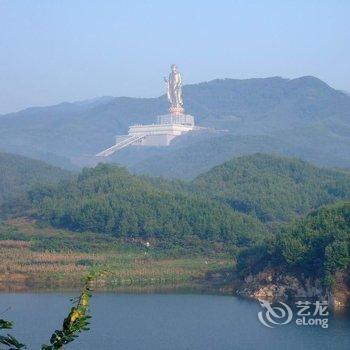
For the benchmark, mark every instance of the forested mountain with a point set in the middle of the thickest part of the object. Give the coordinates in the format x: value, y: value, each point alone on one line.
x: 317, y: 246
x: 218, y: 212
x: 109, y: 199
x: 272, y: 187
x: 301, y: 117
x: 18, y: 173
x: 267, y: 187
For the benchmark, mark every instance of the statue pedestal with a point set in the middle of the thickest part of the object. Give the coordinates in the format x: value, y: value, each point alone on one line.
x: 177, y: 119
x: 176, y: 110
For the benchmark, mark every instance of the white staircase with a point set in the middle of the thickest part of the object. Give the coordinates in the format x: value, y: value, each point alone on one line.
x: 124, y: 142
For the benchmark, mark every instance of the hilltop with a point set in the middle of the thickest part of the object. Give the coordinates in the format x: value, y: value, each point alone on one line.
x: 272, y: 187
x: 18, y: 174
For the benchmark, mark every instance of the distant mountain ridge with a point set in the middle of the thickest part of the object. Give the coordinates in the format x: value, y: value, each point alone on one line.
x: 301, y: 117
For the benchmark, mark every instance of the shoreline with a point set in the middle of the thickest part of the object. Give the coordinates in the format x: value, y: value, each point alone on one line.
x: 203, y: 288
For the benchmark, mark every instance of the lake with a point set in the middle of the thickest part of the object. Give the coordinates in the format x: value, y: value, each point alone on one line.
x: 167, y: 321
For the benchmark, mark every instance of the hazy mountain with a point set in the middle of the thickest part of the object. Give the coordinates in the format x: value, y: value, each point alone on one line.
x: 345, y: 92
x: 302, y: 117
x: 191, y: 159
x: 192, y: 155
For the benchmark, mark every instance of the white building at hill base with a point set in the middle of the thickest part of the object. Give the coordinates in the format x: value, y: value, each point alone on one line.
x: 168, y: 127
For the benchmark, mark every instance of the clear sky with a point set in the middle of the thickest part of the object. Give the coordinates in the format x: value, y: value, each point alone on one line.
x: 64, y: 50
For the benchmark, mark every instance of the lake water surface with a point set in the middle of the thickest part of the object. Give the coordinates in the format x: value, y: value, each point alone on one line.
x: 166, y: 321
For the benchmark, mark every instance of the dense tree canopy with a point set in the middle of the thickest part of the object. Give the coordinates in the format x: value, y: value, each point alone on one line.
x: 317, y: 246
x: 273, y: 188
x: 109, y: 199
x: 18, y: 173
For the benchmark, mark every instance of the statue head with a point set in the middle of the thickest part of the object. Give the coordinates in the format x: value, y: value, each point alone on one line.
x: 174, y: 68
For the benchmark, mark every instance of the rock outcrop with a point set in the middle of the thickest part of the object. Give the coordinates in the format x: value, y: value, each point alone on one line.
x: 276, y: 285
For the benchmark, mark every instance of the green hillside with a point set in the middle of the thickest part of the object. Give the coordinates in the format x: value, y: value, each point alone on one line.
x: 108, y: 199
x: 272, y: 187
x: 18, y: 173
x: 218, y: 212
x: 317, y: 246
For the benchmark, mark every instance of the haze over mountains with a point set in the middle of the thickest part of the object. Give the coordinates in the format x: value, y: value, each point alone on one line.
x: 301, y: 117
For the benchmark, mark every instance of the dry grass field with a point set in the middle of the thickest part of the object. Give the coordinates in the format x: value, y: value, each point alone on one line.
x: 34, y: 257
